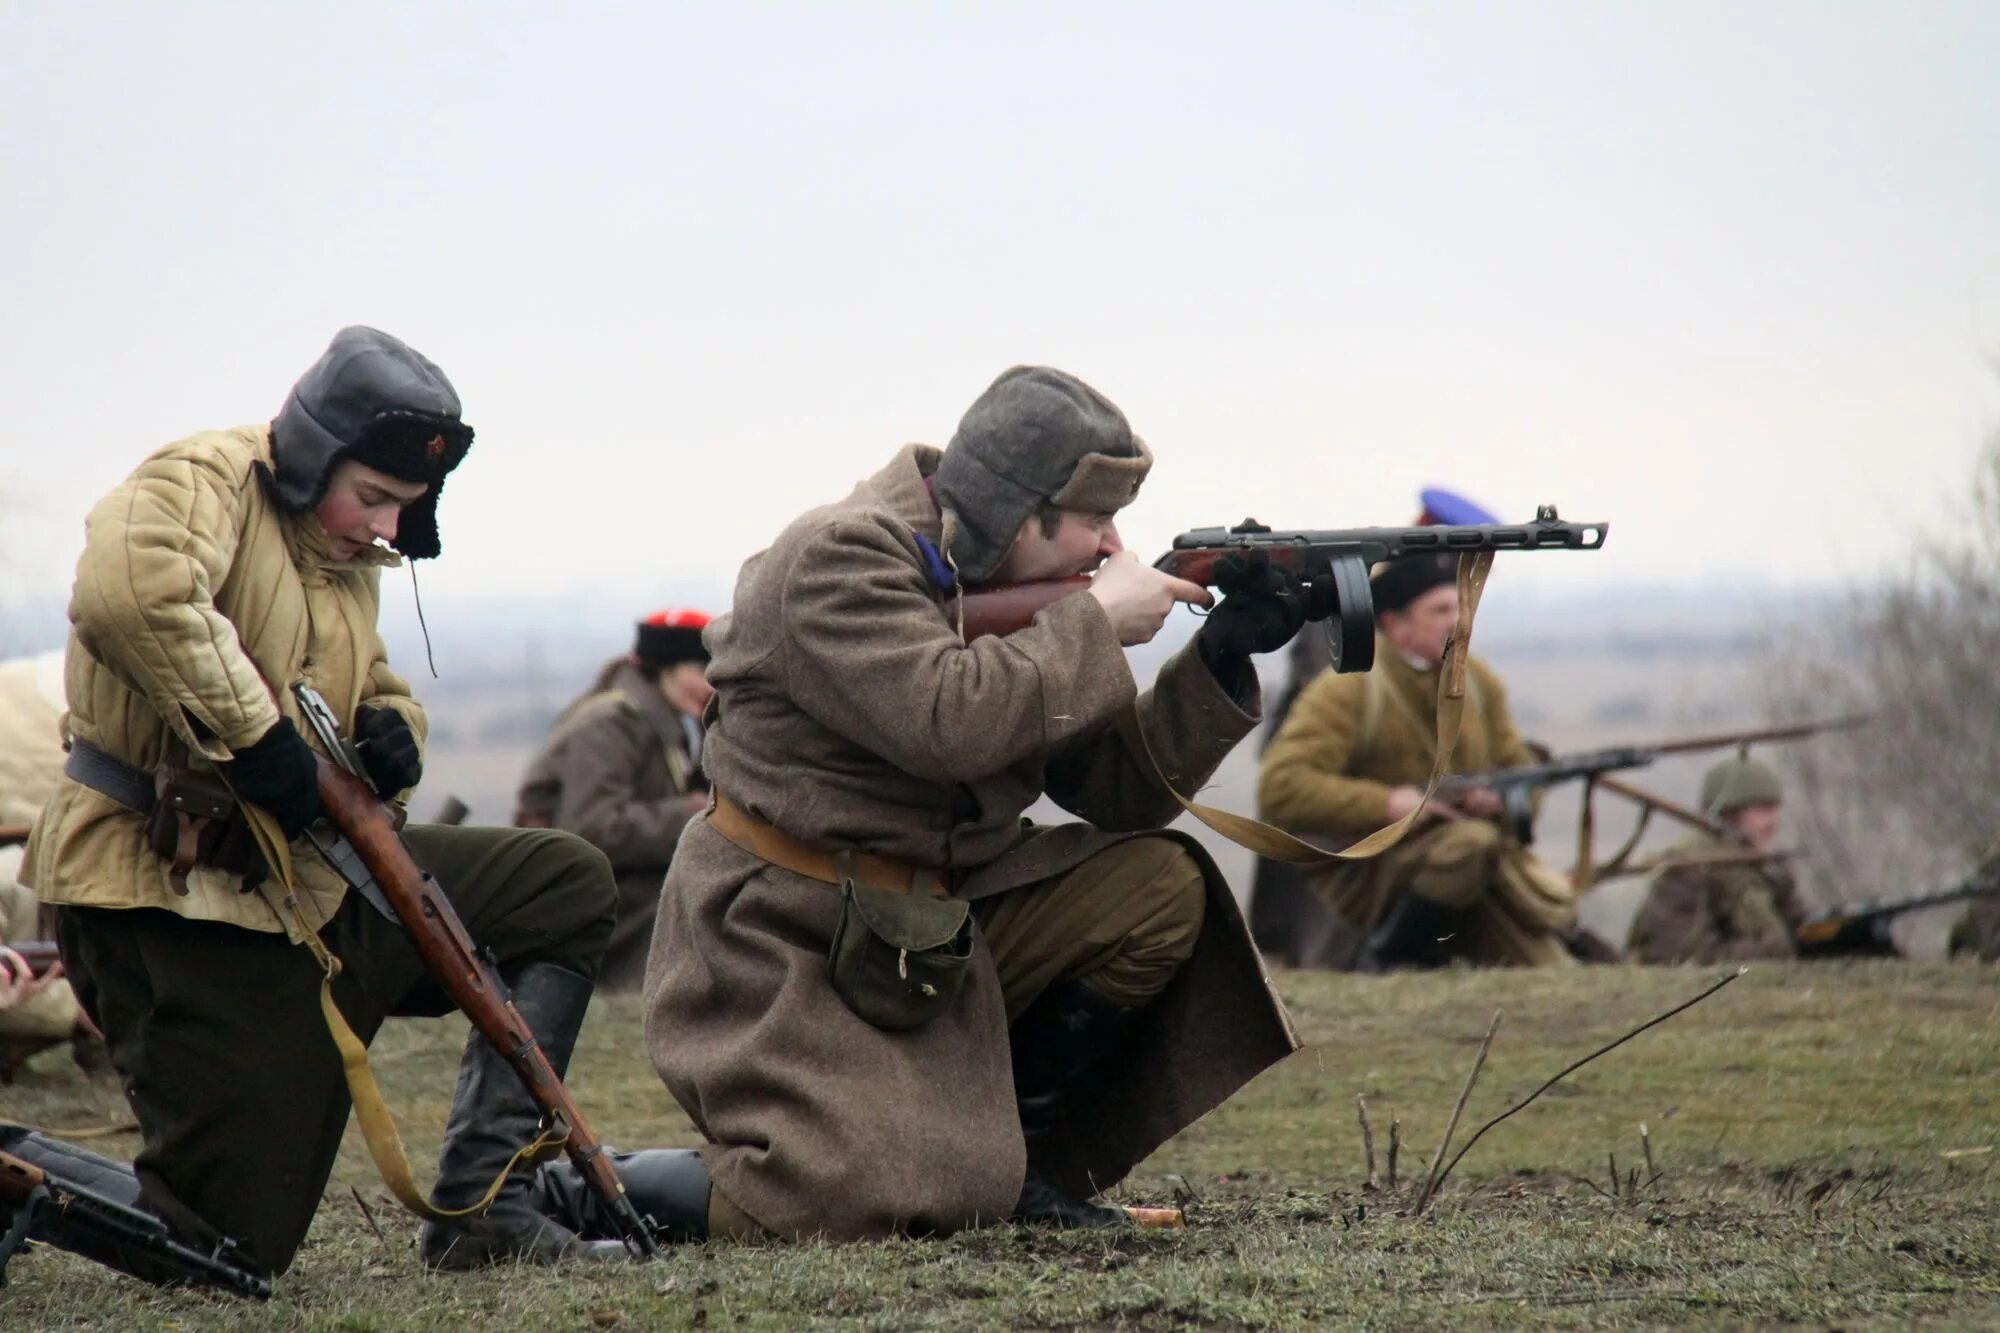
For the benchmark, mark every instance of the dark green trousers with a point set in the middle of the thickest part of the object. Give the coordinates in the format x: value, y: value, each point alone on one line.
x: 217, y: 1033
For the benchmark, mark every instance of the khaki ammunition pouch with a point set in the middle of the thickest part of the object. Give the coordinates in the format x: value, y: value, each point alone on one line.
x: 898, y: 959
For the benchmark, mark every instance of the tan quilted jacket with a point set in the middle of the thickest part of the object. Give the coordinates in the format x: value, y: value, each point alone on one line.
x: 197, y: 603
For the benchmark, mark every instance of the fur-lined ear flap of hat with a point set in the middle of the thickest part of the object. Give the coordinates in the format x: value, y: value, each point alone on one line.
x: 421, y: 447
x: 1103, y: 484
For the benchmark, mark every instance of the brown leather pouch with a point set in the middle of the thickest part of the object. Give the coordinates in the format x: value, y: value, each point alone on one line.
x: 195, y: 822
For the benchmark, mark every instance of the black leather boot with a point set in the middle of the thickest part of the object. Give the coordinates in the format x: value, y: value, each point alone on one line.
x: 669, y: 1187
x: 492, y: 1118
x: 1065, y: 1034
x: 1415, y: 933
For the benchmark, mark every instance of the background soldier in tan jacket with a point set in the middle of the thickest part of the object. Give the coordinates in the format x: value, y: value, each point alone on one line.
x: 889, y: 1002
x: 1722, y: 913
x: 227, y: 566
x: 1352, y: 757
x: 35, y: 1012
x: 621, y: 769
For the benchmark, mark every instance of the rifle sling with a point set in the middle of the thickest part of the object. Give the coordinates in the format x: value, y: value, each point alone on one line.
x: 371, y: 1108
x: 1274, y: 843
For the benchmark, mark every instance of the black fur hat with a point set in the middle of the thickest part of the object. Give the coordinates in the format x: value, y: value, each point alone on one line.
x: 1400, y: 582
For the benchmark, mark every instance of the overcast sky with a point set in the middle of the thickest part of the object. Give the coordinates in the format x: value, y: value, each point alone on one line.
x: 1725, y: 274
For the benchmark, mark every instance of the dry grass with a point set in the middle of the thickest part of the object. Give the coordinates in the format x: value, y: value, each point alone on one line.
x: 1818, y: 1131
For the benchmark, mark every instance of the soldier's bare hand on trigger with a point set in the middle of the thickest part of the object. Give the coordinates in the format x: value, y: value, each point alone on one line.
x: 1138, y: 597
x: 1406, y: 798
x: 1481, y: 802
x: 18, y: 982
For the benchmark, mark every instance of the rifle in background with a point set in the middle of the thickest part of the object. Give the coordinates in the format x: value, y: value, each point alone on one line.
x: 1865, y: 927
x: 453, y: 811
x: 1516, y: 788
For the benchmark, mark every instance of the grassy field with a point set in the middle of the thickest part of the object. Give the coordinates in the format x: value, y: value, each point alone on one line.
x: 1824, y: 1138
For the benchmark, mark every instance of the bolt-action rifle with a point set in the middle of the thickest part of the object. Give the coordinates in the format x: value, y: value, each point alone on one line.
x: 1864, y: 928
x: 13, y: 834
x: 359, y: 840
x: 1329, y: 570
x: 46, y: 1207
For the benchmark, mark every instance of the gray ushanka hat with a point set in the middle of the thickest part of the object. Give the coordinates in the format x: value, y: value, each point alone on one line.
x: 1036, y: 434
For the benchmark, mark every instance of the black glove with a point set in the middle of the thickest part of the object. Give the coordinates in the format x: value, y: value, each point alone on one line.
x: 388, y: 750
x: 280, y: 773
x: 1260, y: 612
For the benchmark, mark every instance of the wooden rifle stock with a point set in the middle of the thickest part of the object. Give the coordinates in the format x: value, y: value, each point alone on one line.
x: 14, y: 834
x: 1011, y: 607
x: 453, y: 961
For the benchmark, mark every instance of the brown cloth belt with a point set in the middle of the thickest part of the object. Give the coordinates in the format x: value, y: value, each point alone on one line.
x: 767, y: 842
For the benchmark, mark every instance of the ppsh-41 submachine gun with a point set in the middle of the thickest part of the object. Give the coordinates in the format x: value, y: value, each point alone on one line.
x: 46, y: 1207
x: 1329, y: 569
x: 363, y: 846
x: 1864, y: 928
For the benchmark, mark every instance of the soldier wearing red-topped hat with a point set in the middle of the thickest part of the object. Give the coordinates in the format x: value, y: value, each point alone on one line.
x: 622, y: 770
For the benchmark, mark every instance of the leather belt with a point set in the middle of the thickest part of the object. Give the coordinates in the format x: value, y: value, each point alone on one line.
x: 768, y: 842
x: 100, y: 771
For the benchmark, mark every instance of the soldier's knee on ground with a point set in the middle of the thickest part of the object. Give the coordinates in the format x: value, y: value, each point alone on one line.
x: 1459, y: 864
x: 1164, y: 875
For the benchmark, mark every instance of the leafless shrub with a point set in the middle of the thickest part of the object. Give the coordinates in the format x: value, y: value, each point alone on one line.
x: 1910, y: 801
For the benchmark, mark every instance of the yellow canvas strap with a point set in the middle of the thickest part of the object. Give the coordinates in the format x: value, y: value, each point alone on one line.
x: 1269, y: 841
x: 371, y: 1108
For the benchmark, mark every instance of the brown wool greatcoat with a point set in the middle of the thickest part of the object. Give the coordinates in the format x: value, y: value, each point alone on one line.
x: 849, y: 714
x: 197, y: 603
x: 617, y: 772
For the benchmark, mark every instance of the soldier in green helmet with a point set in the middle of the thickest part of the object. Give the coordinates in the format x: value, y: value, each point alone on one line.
x: 1709, y: 909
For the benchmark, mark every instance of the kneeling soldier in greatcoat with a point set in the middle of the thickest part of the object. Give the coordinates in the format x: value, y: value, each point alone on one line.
x: 228, y: 566
x: 889, y: 1002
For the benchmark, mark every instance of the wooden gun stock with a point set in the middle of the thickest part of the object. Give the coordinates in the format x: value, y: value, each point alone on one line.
x: 453, y: 961
x: 1012, y: 607
x: 14, y: 834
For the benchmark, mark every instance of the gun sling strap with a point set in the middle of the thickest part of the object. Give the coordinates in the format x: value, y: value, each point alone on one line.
x: 1269, y: 841
x: 134, y: 788
x: 371, y: 1108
